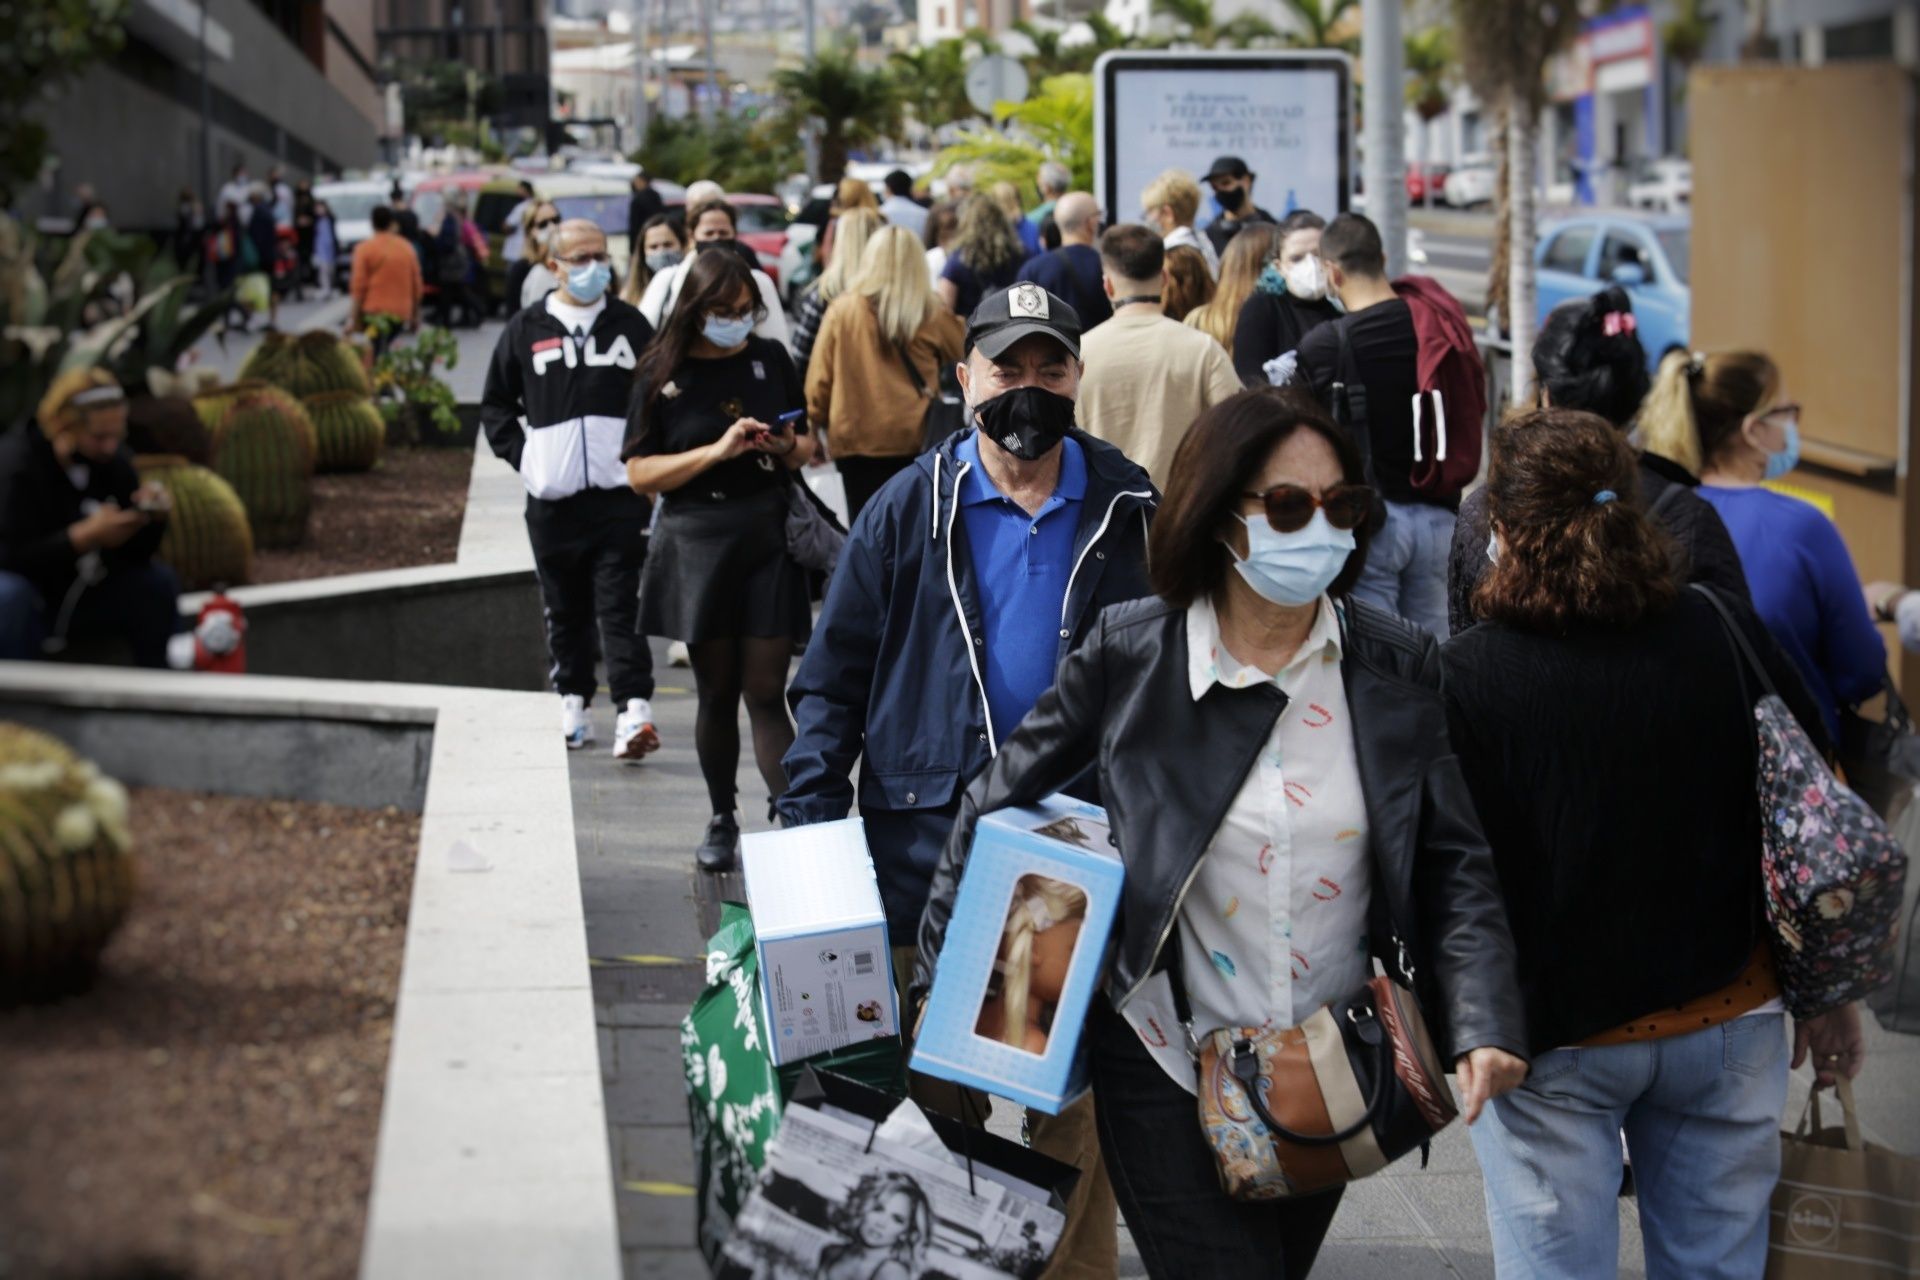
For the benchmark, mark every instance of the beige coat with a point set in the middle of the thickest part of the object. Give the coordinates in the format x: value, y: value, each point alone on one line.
x: 859, y: 393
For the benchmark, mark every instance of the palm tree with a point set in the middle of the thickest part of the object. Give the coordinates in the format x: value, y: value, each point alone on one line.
x: 1248, y: 29
x: 1054, y: 124
x: 1429, y: 58
x: 1194, y: 16
x: 1504, y: 49
x: 931, y: 81
x: 851, y: 105
x: 1316, y: 21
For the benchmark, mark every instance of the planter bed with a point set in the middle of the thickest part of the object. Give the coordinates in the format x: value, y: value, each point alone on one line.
x: 405, y: 512
x: 211, y: 1105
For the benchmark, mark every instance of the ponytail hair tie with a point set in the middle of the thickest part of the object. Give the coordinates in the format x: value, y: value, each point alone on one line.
x: 1615, y: 323
x: 1603, y: 497
x: 1696, y: 365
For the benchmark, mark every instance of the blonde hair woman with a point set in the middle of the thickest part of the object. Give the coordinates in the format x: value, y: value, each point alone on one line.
x: 870, y: 410
x: 985, y: 256
x: 1246, y: 257
x: 1169, y: 205
x: 856, y: 227
x: 540, y: 219
x: 1007, y: 196
x: 1036, y: 950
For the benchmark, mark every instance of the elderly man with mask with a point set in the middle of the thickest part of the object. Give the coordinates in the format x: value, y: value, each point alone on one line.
x: 555, y: 406
x: 78, y: 530
x: 963, y: 585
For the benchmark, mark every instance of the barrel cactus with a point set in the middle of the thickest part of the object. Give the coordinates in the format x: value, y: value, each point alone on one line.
x: 307, y: 364
x: 213, y: 403
x: 207, y: 539
x: 264, y: 447
x: 350, y: 431
x: 66, y: 866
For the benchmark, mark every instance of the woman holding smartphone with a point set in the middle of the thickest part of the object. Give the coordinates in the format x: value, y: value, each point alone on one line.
x: 713, y: 433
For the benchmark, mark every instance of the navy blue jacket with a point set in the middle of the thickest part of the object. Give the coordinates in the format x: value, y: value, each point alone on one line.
x: 894, y: 669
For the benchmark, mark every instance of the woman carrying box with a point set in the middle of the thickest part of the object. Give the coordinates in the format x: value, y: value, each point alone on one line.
x: 1276, y: 769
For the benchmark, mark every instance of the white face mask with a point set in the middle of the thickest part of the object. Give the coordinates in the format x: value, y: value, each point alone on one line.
x: 1306, y: 280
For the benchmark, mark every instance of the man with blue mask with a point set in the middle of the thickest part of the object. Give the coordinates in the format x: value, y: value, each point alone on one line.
x: 555, y: 406
x: 964, y: 584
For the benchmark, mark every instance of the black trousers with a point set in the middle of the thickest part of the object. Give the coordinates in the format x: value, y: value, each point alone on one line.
x: 588, y: 550
x: 1164, y: 1175
x: 863, y: 478
x: 139, y: 603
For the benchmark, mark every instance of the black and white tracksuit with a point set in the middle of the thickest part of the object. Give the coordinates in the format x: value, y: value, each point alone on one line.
x: 555, y: 407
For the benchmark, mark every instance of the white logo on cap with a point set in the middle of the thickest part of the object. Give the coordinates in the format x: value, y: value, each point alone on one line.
x: 1027, y: 300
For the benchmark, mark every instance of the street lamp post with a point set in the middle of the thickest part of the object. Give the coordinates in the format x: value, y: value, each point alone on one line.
x: 1383, y: 63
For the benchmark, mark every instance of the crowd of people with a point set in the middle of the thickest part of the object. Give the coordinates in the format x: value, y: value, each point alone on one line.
x: 1140, y: 512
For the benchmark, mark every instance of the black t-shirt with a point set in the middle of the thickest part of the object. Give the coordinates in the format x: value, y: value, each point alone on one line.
x: 701, y: 401
x: 1384, y: 352
x: 1272, y: 324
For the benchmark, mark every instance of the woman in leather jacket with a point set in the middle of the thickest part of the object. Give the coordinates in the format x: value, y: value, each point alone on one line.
x: 1275, y: 764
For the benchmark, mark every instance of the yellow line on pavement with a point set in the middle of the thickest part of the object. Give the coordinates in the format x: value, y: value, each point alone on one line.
x: 645, y: 962
x: 660, y: 1188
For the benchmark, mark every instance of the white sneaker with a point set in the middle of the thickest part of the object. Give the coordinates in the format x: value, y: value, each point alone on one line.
x: 633, y: 733
x: 574, y: 721
x: 677, y: 655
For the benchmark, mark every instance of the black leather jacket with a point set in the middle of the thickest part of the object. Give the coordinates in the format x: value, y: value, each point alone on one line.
x: 1170, y: 767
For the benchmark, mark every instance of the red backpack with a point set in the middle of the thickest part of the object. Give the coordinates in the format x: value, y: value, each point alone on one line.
x: 1450, y: 410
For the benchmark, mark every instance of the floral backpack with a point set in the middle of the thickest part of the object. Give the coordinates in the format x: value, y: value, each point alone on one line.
x: 1831, y: 872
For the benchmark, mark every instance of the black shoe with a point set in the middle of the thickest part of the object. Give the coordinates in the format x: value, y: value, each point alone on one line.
x: 720, y: 847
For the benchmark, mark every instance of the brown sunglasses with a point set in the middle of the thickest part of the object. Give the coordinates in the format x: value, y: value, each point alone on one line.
x: 1290, y: 507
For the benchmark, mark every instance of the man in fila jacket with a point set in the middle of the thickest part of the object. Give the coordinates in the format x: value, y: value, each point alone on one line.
x: 555, y: 407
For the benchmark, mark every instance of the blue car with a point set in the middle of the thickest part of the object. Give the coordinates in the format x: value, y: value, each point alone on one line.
x: 1648, y: 254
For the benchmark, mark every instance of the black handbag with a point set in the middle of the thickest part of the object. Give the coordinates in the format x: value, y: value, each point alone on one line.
x: 946, y: 410
x: 1881, y: 758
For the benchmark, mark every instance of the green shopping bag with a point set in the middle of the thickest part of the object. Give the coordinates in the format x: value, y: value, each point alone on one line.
x: 734, y: 1093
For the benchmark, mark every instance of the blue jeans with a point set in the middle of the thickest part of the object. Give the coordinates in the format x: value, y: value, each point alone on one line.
x: 1406, y: 569
x: 19, y: 619
x: 1702, y: 1117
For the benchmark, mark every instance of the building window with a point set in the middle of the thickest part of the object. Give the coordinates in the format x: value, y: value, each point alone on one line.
x: 1856, y: 40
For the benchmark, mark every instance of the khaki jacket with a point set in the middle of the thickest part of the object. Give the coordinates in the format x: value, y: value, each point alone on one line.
x: 859, y: 392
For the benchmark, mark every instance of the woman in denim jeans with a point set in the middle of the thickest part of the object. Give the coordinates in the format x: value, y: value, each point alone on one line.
x: 1607, y: 737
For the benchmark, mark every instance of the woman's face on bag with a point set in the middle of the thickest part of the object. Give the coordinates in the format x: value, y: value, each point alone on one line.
x: 886, y: 1222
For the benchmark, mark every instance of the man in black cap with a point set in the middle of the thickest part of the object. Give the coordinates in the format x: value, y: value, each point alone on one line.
x: 1232, y: 184
x: 963, y: 585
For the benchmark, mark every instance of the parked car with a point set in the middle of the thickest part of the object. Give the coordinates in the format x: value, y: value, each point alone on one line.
x: 600, y: 200
x: 1665, y: 185
x: 1648, y: 254
x: 1422, y: 178
x: 1471, y: 182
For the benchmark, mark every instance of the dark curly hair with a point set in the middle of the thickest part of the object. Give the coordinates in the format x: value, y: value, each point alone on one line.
x: 1571, y: 556
x: 1582, y: 366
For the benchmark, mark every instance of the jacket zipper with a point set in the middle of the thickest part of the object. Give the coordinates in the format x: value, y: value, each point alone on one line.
x: 1066, y: 602
x: 953, y: 589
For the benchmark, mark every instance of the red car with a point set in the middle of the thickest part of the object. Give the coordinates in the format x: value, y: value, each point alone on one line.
x: 1421, y: 177
x: 763, y: 227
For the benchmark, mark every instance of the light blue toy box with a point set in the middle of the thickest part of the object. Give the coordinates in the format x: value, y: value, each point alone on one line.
x: 1031, y: 871
x: 826, y: 973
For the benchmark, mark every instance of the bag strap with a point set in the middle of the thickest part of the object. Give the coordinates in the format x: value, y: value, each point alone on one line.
x: 1668, y: 496
x: 1743, y: 651
x: 919, y: 383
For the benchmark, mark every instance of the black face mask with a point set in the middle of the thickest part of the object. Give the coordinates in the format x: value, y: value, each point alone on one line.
x: 1026, y: 421
x: 1231, y: 199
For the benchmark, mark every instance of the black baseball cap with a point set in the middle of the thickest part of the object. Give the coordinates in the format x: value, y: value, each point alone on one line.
x: 1228, y: 167
x: 1007, y: 315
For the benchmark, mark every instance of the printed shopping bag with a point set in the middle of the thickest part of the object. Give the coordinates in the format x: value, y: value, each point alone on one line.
x: 734, y: 1092
x: 1844, y: 1209
x: 859, y: 1183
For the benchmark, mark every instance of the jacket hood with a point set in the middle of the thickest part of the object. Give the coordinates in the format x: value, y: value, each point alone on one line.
x: 1110, y: 473
x: 537, y: 316
x: 1438, y: 321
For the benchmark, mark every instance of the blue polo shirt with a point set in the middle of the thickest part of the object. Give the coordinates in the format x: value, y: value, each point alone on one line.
x: 1021, y: 564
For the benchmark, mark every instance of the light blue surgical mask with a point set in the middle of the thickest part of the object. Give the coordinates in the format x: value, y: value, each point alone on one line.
x: 1292, y: 568
x: 727, y: 333
x: 586, y: 284
x: 664, y: 259
x: 1778, y: 464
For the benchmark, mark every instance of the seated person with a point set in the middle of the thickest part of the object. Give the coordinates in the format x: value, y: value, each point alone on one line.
x: 79, y: 529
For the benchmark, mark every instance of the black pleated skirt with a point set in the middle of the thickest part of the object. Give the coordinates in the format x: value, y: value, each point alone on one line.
x: 717, y: 570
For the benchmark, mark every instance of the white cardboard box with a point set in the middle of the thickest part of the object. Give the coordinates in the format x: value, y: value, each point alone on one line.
x: 826, y: 972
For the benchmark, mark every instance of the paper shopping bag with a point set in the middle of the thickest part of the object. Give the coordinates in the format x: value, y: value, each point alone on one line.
x: 1844, y: 1209
x: 860, y: 1183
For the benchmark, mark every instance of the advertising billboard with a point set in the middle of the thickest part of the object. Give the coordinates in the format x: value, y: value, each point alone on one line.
x: 1288, y: 115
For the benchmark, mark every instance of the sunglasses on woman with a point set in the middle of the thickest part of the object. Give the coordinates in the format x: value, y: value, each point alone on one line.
x: 1290, y: 506
x: 546, y: 224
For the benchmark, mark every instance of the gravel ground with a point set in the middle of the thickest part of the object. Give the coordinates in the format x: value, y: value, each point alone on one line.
x: 210, y: 1108
x: 404, y: 512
